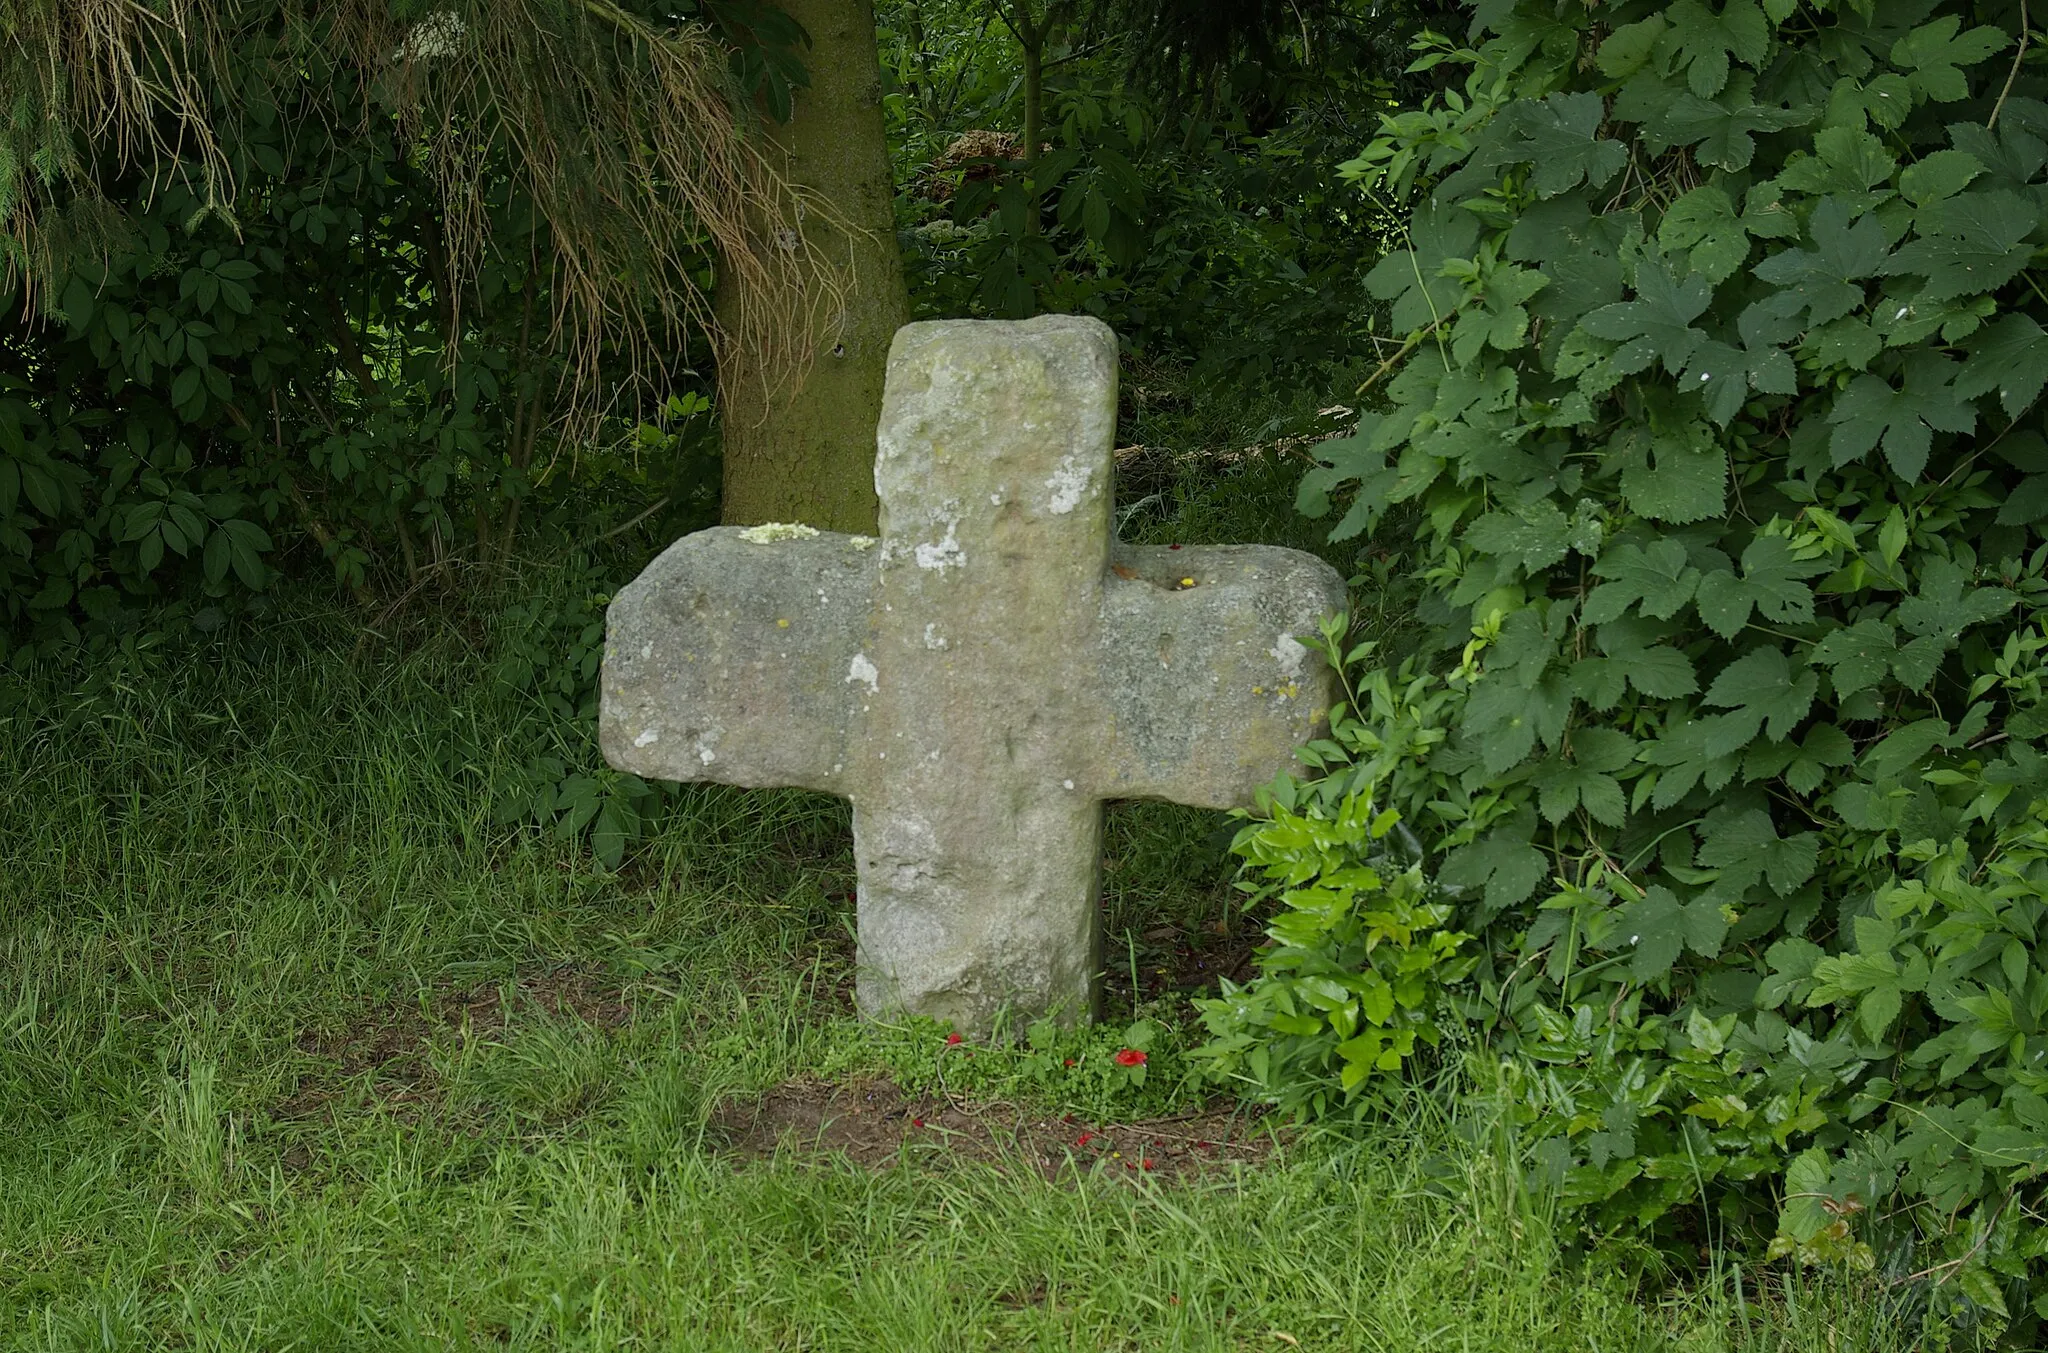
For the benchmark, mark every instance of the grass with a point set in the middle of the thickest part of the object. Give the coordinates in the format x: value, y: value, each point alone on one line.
x: 299, y: 1049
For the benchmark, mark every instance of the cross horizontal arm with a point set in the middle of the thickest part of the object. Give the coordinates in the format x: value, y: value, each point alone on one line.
x: 1208, y: 686
x: 741, y: 660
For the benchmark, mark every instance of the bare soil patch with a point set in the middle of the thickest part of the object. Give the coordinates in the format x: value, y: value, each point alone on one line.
x: 876, y: 1124
x: 389, y: 1043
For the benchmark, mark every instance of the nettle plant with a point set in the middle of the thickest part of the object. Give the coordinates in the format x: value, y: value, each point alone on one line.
x: 1715, y: 418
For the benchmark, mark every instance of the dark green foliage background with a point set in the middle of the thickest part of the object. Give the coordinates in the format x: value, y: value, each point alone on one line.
x: 1717, y: 425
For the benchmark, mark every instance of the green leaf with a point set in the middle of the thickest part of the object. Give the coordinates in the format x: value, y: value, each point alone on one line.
x: 1968, y: 245
x: 1761, y: 682
x: 1506, y: 718
x: 1705, y: 224
x: 1824, y: 747
x: 1657, y: 670
x: 1560, y: 138
x: 1657, y: 325
x: 2009, y: 356
x: 1535, y: 535
x: 1940, y: 175
x: 1947, y: 604
x: 1858, y: 655
x: 1770, y: 583
x: 1705, y: 41
x: 1904, y: 420
x: 1934, y: 54
x: 1413, y: 278
x: 1722, y: 132
x: 1658, y: 928
x: 1655, y: 578
x: 1825, y: 281
x: 1847, y: 163
x: 1745, y: 846
x: 1679, y: 475
x: 1505, y: 866
x: 1628, y: 47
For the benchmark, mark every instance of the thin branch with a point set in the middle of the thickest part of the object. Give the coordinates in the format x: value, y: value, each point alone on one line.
x: 2025, y: 35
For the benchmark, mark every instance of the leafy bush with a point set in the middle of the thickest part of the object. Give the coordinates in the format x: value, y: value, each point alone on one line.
x: 1717, y: 419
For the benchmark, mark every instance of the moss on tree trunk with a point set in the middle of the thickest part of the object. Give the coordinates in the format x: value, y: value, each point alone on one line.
x: 806, y: 453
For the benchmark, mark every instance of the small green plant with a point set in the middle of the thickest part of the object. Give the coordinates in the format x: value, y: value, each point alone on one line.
x: 1352, y: 983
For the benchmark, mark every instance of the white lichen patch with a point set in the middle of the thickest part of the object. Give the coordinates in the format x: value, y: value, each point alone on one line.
x: 862, y: 542
x: 1289, y: 653
x: 933, y: 639
x: 705, y: 742
x: 943, y: 553
x: 861, y: 669
x: 648, y: 737
x: 1070, y: 484
x: 769, y: 532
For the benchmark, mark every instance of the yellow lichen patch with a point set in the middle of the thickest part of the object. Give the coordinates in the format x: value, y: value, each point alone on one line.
x: 782, y: 624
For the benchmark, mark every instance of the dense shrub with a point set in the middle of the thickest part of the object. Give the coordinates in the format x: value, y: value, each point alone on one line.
x: 1715, y: 424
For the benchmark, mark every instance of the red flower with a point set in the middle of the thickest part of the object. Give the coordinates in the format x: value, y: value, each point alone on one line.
x: 1145, y: 1164
x: 917, y: 1122
x: 1130, y: 1057
x: 1084, y: 1139
x: 1068, y: 1062
x: 952, y: 1040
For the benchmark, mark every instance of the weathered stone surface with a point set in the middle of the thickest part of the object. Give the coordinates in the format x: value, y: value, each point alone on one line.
x: 980, y: 681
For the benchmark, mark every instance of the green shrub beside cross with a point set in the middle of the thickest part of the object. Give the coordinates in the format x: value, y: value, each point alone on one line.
x: 1715, y: 410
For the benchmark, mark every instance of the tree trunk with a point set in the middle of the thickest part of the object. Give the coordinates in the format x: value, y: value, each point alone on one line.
x: 807, y: 454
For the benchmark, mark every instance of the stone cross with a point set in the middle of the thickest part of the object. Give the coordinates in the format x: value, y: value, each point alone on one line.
x: 980, y: 679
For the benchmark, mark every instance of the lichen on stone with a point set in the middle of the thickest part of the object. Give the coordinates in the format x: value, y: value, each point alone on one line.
x: 863, y: 542
x: 768, y: 532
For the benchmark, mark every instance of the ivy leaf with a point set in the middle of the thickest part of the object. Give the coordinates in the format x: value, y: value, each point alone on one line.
x: 1825, y: 281
x: 1904, y: 420
x: 2011, y: 357
x: 1857, y: 656
x: 1770, y: 583
x: 1676, y: 475
x: 1706, y: 41
x: 1560, y: 138
x: 1654, y: 578
x: 1968, y: 245
x: 1934, y: 54
x: 1760, y: 682
x: 1657, y: 325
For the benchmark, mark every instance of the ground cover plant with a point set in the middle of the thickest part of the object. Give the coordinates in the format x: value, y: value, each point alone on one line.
x: 1714, y: 413
x: 299, y: 1044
